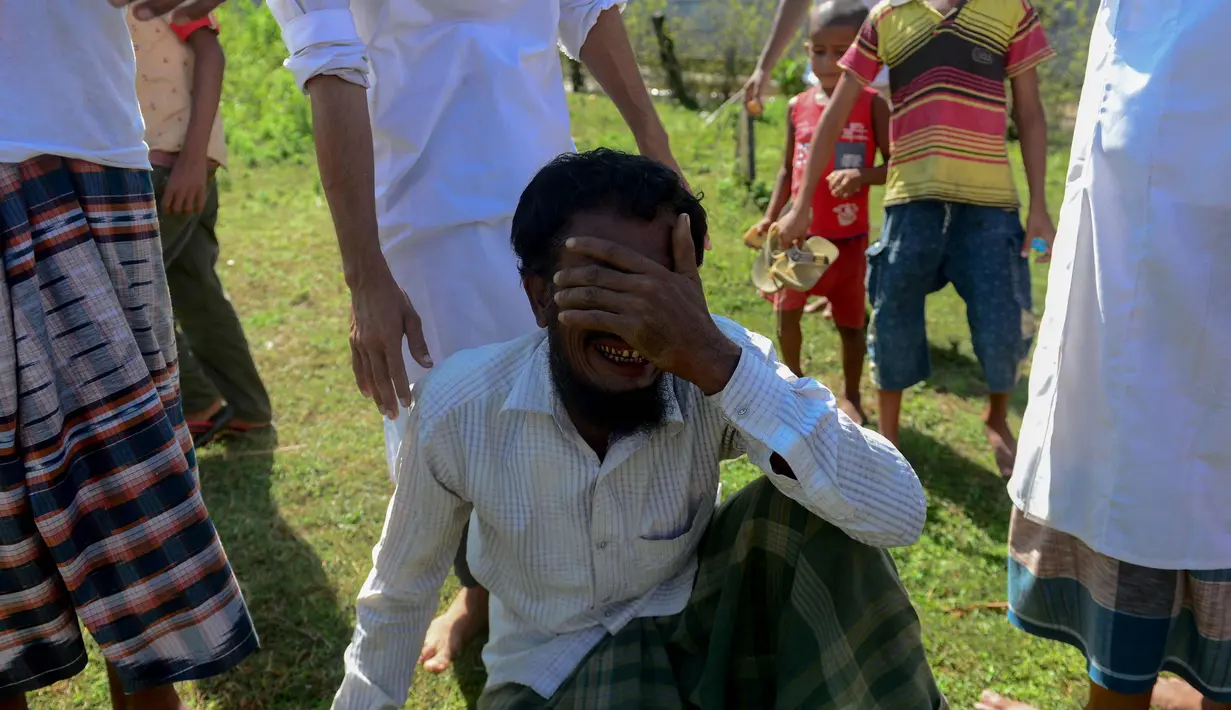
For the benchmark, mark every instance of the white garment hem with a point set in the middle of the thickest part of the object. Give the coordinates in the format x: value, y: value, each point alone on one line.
x: 1123, y: 555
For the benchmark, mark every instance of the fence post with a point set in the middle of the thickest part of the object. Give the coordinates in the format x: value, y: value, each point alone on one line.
x: 746, y: 146
x: 671, y: 65
x: 578, y: 77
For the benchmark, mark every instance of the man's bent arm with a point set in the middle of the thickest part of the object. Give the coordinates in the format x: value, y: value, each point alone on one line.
x: 787, y: 19
x: 792, y: 429
x: 409, y: 565
x: 608, y: 54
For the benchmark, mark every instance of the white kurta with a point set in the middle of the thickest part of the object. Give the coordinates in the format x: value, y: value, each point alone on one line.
x: 1126, y: 442
x: 467, y: 103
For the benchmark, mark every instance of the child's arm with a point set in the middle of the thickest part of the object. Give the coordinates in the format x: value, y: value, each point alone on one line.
x: 185, y: 192
x: 793, y: 225
x: 782, y: 186
x: 845, y: 183
x: 880, y: 132
x: 1032, y: 129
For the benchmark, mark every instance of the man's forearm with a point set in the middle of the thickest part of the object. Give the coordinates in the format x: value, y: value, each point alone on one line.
x: 787, y: 19
x: 343, y: 135
x: 608, y: 55
x: 209, y: 63
x: 1032, y: 129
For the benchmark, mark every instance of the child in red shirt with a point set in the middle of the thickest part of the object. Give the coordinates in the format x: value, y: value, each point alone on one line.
x: 840, y: 205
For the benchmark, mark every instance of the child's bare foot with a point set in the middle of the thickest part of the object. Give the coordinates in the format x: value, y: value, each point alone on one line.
x: 853, y: 410
x: 993, y: 701
x: 1175, y: 694
x: 452, y: 630
x: 821, y: 304
x: 1004, y: 446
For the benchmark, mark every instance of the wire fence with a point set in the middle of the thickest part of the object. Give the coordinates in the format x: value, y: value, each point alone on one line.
x: 717, y: 43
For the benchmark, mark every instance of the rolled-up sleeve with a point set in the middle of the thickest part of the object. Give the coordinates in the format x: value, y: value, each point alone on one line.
x: 321, y: 38
x: 422, y: 526
x: 576, y: 19
x: 850, y: 476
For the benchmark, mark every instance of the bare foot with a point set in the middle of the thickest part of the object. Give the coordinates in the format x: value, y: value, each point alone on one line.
x: 1004, y: 447
x: 821, y: 304
x: 1175, y: 694
x: 993, y: 701
x: 853, y: 410
x: 450, y: 632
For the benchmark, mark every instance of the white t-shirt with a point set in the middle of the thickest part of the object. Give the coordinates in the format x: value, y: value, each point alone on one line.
x: 68, y: 83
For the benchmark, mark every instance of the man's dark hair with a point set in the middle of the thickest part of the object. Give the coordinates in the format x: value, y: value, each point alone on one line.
x: 837, y: 13
x: 629, y: 186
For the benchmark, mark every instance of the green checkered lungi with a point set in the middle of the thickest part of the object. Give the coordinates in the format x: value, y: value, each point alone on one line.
x: 787, y: 612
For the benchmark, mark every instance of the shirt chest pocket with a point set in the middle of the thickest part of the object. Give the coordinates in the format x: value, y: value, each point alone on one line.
x: 674, y: 513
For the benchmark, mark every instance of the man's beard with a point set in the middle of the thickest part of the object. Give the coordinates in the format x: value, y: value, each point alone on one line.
x: 619, y: 412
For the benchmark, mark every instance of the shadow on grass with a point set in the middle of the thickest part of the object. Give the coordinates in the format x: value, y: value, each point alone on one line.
x: 946, y: 474
x: 303, y: 632
x: 957, y: 373
x: 469, y: 672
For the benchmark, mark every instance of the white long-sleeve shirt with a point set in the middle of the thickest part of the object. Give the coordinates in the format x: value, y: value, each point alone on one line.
x: 573, y: 547
x: 466, y: 96
x: 1126, y: 443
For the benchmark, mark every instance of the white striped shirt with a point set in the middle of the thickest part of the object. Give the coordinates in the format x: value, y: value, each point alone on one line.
x: 573, y: 547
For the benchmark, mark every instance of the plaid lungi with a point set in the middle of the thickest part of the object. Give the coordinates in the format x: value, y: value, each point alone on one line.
x: 101, y: 517
x: 787, y: 612
x: 1131, y: 622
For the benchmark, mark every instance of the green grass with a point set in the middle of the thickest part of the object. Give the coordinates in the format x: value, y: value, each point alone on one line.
x: 299, y: 516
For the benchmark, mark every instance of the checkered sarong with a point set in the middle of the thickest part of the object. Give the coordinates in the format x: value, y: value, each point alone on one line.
x: 787, y: 612
x: 101, y: 517
x: 1130, y: 622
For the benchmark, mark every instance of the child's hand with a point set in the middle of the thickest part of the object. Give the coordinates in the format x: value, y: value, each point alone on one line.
x: 1039, y: 226
x: 185, y: 191
x: 845, y: 183
x: 793, y: 226
x: 754, y: 238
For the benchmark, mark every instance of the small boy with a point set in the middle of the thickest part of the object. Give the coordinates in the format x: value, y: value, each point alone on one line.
x: 179, y: 83
x: 951, y: 209
x: 839, y: 207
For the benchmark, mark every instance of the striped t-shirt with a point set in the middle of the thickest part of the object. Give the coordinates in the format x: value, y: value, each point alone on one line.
x: 947, y: 76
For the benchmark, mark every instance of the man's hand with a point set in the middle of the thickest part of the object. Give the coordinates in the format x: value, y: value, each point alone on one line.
x: 381, y: 315
x: 185, y: 191
x: 754, y: 91
x: 845, y: 183
x: 185, y: 10
x: 1039, y: 226
x: 661, y: 313
x: 793, y: 226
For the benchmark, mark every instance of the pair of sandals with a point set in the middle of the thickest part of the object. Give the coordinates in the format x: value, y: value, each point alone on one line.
x: 798, y: 267
x: 205, y: 431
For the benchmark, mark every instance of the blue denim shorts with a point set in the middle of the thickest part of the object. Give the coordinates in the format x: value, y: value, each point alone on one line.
x: 926, y: 245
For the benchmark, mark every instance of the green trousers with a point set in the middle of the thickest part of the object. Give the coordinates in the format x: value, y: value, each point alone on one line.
x: 787, y: 613
x: 214, y: 358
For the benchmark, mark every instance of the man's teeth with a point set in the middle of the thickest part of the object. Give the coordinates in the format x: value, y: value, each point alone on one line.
x: 622, y: 356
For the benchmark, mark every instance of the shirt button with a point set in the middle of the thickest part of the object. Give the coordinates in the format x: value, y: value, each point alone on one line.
x: 607, y: 614
x: 742, y: 411
x: 602, y: 545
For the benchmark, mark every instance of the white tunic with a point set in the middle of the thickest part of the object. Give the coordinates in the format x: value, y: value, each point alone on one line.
x: 467, y: 103
x: 1126, y: 442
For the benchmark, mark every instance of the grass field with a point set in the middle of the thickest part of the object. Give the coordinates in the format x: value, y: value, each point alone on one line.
x: 299, y: 515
